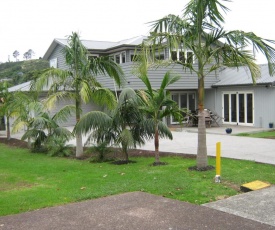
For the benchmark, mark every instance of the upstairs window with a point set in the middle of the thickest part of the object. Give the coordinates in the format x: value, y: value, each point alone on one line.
x: 183, y: 56
x: 92, y: 56
x: 120, y: 58
x: 53, y: 63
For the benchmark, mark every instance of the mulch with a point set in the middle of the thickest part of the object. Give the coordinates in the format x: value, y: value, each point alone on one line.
x: 13, y: 142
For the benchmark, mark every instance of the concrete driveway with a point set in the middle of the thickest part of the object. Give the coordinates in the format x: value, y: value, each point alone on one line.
x: 254, y: 149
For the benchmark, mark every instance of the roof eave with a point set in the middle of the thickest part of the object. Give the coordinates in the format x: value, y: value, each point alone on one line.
x: 49, y: 51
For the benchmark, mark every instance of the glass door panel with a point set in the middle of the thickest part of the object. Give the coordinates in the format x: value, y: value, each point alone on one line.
x: 226, y: 107
x: 192, y: 102
x: 249, y: 105
x: 241, y: 108
x: 233, y: 108
x: 175, y: 97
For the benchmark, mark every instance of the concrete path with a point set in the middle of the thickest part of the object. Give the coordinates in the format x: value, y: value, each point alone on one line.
x: 135, y: 210
x: 257, y: 205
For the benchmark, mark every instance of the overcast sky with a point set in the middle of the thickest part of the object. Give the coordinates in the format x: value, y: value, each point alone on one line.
x: 33, y: 24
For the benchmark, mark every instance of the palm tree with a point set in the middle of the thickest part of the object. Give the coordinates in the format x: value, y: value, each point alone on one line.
x: 200, y: 31
x: 156, y: 105
x: 33, y: 115
x: 121, y: 126
x: 79, y: 81
x: 7, y: 107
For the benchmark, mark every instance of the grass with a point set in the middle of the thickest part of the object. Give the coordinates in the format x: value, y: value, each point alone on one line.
x: 34, y: 181
x: 265, y: 134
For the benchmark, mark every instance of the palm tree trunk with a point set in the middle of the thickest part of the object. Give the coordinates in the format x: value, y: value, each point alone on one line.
x: 202, y: 160
x: 157, y: 145
x: 125, y: 152
x: 29, y: 140
x: 79, y: 144
x: 8, y: 129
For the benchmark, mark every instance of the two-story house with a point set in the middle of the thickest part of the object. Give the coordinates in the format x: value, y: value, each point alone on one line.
x: 229, y: 92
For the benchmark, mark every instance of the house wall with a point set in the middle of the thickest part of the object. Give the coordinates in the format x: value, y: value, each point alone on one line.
x: 187, y: 81
x: 57, y: 53
x: 72, y: 120
x: 264, y: 108
x: 210, y: 101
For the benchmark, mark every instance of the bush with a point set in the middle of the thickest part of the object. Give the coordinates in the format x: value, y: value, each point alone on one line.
x: 100, y: 151
x: 57, y: 146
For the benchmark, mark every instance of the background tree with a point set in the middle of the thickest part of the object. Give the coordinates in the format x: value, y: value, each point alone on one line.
x: 26, y: 56
x: 16, y: 54
x: 200, y: 30
x: 79, y: 81
x: 30, y: 53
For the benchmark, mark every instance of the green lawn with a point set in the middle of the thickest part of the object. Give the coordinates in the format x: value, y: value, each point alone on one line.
x: 266, y: 134
x: 33, y: 181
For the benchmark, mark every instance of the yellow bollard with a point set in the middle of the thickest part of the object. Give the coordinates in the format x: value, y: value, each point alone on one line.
x: 218, y: 162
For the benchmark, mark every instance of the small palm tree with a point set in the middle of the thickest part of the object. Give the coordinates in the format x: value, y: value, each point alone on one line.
x: 79, y: 82
x: 156, y: 105
x: 121, y: 126
x: 35, y: 117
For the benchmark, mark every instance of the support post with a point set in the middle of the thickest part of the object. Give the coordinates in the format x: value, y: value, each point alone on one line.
x: 218, y: 162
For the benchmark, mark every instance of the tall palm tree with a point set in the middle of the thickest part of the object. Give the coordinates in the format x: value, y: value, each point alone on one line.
x: 122, y: 126
x: 156, y: 105
x: 79, y: 81
x: 200, y: 30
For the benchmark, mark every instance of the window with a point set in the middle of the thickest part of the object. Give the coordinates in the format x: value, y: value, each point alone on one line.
x: 238, y: 107
x: 189, y: 57
x: 160, y: 56
x: 120, y: 58
x: 185, y: 100
x: 174, y: 55
x: 53, y: 63
x: 183, y: 56
x: 92, y: 56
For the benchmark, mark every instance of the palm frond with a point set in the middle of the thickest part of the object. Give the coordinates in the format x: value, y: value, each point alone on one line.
x: 92, y: 120
x: 62, y: 132
x: 103, y: 96
x: 64, y: 113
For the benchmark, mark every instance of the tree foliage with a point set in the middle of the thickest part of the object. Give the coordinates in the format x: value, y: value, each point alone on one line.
x: 200, y: 30
x: 121, y: 126
x: 79, y: 82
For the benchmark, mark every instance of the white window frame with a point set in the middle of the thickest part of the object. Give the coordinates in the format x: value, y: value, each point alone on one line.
x: 120, y: 55
x: 92, y: 55
x: 53, y: 62
x: 237, y: 109
x: 179, y: 93
x: 186, y: 51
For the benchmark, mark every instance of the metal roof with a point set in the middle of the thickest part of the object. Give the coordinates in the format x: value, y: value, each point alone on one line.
x: 98, y: 45
x: 24, y: 87
x: 242, y: 76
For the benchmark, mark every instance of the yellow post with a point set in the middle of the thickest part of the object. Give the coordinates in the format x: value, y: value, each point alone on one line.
x: 218, y: 162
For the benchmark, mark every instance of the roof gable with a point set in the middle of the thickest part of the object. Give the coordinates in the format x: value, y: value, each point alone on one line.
x: 97, y: 45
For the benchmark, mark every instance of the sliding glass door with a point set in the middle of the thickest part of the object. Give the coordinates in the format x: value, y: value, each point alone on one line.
x: 238, y: 108
x: 185, y: 100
